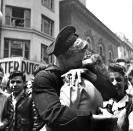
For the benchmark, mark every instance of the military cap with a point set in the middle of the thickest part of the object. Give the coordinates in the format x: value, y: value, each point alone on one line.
x: 64, y: 40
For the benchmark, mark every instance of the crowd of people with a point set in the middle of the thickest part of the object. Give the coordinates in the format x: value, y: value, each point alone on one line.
x: 78, y: 92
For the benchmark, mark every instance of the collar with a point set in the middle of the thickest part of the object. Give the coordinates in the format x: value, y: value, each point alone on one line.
x: 17, y: 98
x: 54, y: 68
x: 121, y: 104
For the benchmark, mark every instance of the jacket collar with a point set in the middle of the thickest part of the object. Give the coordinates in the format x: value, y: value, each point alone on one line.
x: 121, y: 104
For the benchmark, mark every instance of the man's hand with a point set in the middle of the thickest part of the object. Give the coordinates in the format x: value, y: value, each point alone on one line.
x: 2, y: 125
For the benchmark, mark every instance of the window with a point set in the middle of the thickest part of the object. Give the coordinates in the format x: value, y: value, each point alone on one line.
x: 18, y: 17
x: 16, y: 48
x: 47, y: 26
x: 110, y: 55
x: 48, y: 3
x: 90, y: 43
x: 44, y: 55
x: 100, y: 50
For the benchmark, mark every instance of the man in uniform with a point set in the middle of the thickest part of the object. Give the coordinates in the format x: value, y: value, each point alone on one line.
x: 69, y: 51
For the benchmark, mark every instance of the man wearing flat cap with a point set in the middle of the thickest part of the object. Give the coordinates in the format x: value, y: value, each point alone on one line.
x: 69, y: 51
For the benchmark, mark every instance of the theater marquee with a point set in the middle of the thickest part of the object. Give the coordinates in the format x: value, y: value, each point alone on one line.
x: 19, y: 63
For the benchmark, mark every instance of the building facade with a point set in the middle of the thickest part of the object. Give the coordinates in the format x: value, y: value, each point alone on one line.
x: 83, y: 2
x: 101, y: 39
x: 28, y: 27
x: 125, y: 50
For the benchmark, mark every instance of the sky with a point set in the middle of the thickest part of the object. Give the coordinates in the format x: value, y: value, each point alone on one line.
x: 117, y: 15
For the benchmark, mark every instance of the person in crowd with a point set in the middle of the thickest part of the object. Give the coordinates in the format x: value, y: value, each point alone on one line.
x: 19, y: 113
x: 129, y: 91
x: 123, y: 62
x: 3, y: 95
x: 69, y: 51
x: 5, y: 84
x: 29, y: 87
x: 120, y: 106
x: 130, y: 77
x: 129, y: 74
x: 96, y: 65
x: 1, y: 74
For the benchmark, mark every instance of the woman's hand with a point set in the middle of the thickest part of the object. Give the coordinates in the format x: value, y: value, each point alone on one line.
x: 73, y: 76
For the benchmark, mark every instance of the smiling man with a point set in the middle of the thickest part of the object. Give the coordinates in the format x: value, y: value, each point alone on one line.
x: 19, y: 111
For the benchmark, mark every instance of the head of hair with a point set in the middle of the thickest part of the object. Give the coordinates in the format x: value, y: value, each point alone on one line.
x: 117, y: 68
x: 17, y: 73
x: 118, y: 60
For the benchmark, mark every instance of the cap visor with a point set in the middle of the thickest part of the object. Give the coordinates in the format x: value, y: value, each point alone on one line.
x: 50, y: 49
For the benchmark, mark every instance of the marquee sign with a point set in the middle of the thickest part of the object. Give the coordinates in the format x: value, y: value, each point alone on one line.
x: 19, y: 63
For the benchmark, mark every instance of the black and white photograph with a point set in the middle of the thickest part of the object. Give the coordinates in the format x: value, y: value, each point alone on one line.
x: 66, y: 65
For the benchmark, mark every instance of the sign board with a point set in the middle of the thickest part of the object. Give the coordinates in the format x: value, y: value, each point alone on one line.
x: 20, y: 64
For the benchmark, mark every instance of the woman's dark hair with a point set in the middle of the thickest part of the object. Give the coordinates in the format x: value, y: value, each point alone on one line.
x: 17, y: 73
x: 117, y: 68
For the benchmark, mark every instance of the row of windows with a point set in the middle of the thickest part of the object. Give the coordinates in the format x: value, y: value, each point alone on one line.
x: 21, y: 48
x: 101, y: 52
x: 100, y: 49
x: 20, y: 17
